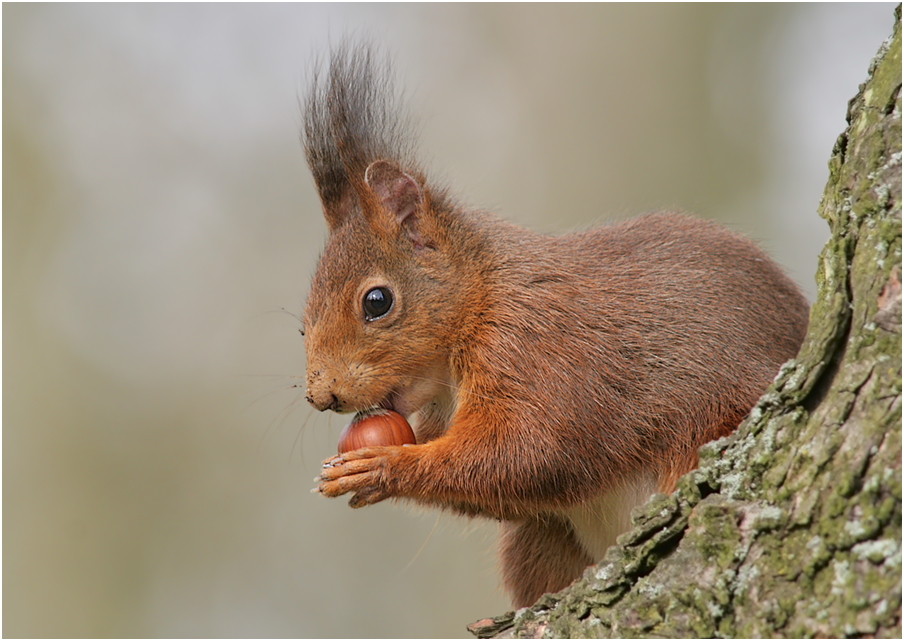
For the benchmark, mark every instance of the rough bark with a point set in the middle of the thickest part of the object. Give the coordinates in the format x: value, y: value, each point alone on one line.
x: 791, y: 526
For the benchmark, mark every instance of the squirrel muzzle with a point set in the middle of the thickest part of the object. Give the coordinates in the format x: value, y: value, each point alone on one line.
x: 320, y: 395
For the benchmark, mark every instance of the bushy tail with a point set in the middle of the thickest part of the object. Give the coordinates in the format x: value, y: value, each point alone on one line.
x: 352, y: 118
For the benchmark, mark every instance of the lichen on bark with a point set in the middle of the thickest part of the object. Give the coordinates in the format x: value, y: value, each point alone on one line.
x: 792, y: 525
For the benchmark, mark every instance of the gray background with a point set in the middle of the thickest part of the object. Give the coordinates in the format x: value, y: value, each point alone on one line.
x: 160, y: 228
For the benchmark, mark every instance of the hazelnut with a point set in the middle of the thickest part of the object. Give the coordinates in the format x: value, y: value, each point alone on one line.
x: 376, y: 427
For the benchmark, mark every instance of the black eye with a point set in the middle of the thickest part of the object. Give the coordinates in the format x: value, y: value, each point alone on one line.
x: 377, y: 303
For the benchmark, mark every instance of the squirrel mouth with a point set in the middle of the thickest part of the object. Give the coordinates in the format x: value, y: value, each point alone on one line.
x: 388, y: 403
x: 399, y: 402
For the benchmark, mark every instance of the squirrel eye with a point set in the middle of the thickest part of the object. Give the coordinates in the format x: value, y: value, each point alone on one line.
x: 377, y: 303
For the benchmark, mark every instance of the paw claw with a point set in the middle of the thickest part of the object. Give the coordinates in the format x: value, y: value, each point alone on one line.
x: 361, y: 473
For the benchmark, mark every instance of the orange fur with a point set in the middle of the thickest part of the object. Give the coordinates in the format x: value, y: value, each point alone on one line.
x: 539, y: 372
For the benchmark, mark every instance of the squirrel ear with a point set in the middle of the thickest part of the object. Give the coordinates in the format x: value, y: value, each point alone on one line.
x: 399, y: 194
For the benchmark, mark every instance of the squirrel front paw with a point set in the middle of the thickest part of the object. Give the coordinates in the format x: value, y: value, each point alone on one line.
x: 364, y: 472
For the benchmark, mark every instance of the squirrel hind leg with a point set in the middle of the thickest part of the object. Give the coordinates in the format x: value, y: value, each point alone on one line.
x: 538, y: 556
x: 689, y: 459
x: 677, y: 467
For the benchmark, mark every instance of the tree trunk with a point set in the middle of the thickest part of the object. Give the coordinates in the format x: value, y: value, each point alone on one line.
x: 791, y: 526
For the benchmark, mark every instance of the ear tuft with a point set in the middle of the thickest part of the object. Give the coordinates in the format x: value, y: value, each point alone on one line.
x: 398, y: 192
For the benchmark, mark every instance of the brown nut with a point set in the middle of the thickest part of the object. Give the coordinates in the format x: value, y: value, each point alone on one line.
x: 373, y: 428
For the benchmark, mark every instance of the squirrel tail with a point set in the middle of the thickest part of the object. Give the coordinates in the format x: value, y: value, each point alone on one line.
x: 352, y: 117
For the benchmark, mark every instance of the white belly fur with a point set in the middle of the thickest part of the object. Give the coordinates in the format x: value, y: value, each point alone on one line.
x: 432, y: 420
x: 599, y: 521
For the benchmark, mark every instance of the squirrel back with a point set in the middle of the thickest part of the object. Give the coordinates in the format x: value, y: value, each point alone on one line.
x: 547, y: 378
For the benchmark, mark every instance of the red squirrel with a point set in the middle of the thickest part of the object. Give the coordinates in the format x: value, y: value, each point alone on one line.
x: 553, y: 382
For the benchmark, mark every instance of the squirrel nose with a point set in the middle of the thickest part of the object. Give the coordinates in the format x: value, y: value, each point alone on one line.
x: 321, y: 392
x: 324, y: 401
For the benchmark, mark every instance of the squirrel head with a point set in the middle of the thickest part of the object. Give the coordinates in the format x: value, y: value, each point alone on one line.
x: 383, y: 305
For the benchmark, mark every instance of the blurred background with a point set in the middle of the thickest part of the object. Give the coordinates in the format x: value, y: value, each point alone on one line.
x: 160, y: 227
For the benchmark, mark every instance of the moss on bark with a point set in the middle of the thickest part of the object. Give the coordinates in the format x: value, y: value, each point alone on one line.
x: 791, y: 526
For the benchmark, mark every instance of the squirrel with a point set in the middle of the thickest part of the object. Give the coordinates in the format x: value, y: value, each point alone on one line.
x: 553, y: 382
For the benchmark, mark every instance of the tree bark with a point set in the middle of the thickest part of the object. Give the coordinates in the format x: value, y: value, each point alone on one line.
x: 792, y: 525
